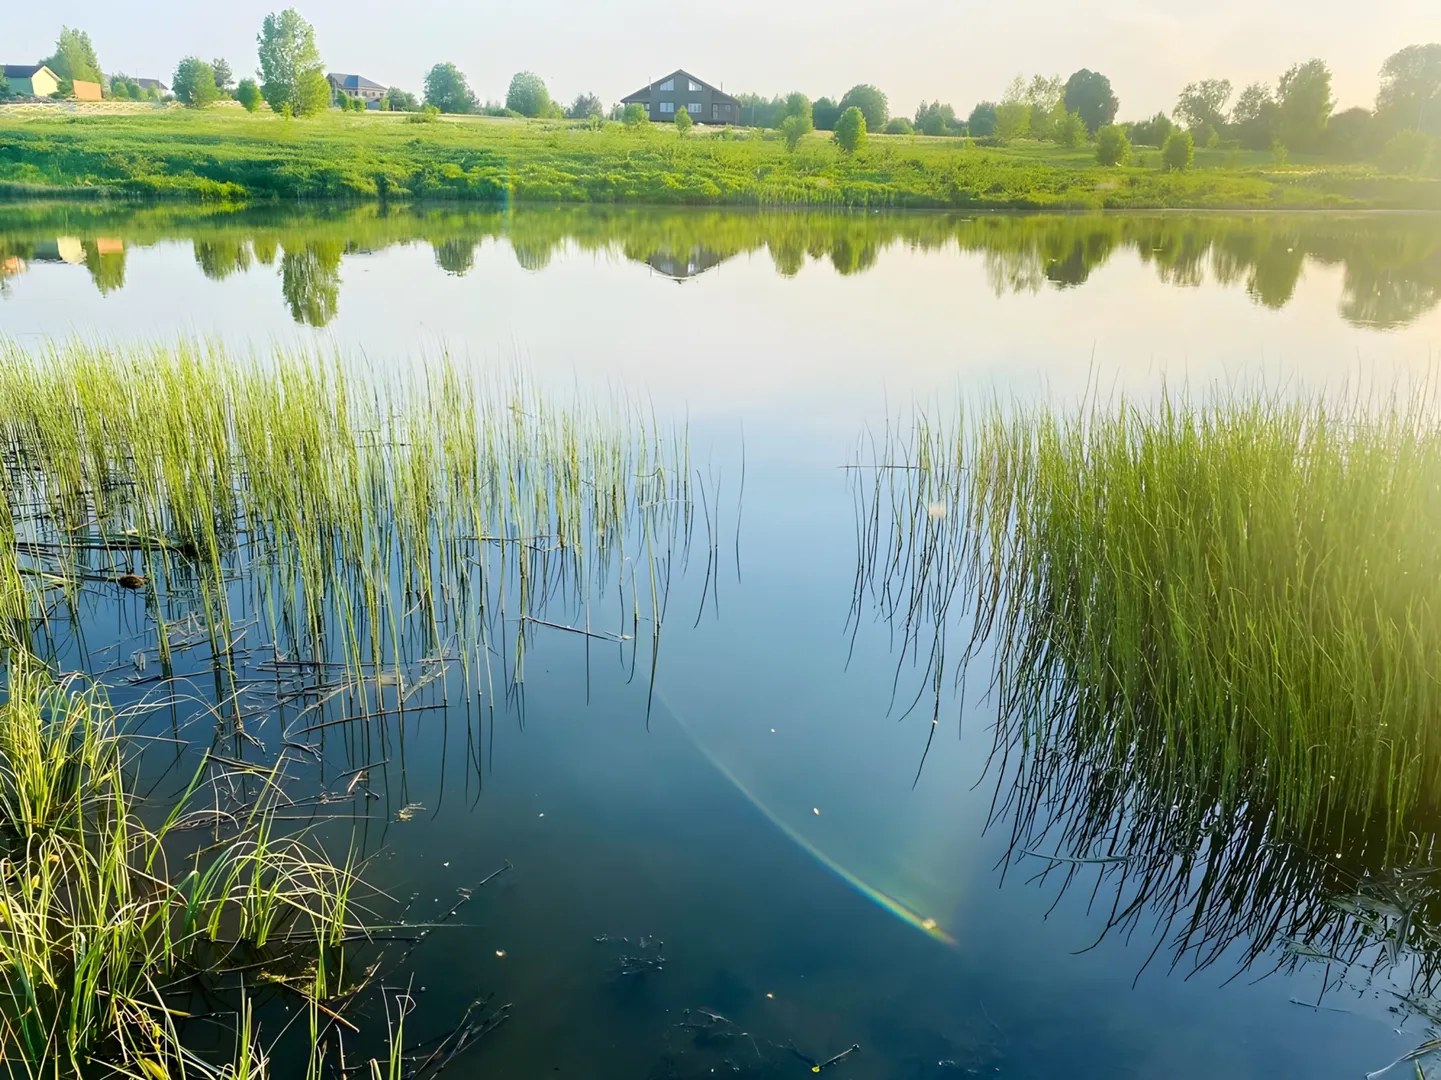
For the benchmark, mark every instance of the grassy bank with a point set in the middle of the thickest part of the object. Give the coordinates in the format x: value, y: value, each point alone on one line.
x: 230, y: 157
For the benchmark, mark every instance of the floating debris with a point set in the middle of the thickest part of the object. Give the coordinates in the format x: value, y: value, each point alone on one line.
x: 408, y: 811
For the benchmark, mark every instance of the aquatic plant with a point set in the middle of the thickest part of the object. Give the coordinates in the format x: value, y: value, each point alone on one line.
x: 1210, y: 627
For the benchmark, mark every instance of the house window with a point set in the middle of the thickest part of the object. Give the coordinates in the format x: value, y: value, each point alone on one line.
x: 715, y: 112
x: 669, y: 84
x: 694, y: 86
x: 693, y: 108
x: 667, y: 106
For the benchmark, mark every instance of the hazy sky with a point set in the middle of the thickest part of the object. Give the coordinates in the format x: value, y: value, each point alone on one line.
x: 913, y: 49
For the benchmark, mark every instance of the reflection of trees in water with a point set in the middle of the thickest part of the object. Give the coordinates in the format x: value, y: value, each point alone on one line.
x: 310, y: 281
x: 455, y: 256
x: 1391, y: 264
x: 107, y: 268
x: 220, y: 258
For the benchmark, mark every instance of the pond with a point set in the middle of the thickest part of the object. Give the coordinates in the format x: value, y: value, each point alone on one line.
x: 741, y: 845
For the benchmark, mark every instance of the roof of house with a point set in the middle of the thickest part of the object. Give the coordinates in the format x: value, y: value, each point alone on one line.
x: 353, y: 82
x: 22, y: 71
x: 151, y: 84
x: 643, y: 94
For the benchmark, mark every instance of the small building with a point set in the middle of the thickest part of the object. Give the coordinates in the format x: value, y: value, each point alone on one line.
x: 85, y: 91
x: 355, y: 86
x: 682, y: 90
x: 31, y: 80
x: 153, y: 84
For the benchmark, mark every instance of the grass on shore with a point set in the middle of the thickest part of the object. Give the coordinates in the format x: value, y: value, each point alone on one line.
x: 229, y: 156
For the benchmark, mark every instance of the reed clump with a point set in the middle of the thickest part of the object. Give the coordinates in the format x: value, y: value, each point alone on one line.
x: 1204, y: 606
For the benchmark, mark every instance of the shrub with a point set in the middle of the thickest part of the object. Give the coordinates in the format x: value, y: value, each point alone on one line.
x: 683, y: 122
x: 311, y: 94
x: 870, y: 101
x: 1071, y: 130
x: 634, y: 115
x: 428, y: 114
x: 793, y: 129
x: 1112, y: 146
x: 898, y: 125
x: 248, y: 94
x: 528, y: 95
x: 1405, y: 152
x: 851, y: 130
x: 1179, y: 152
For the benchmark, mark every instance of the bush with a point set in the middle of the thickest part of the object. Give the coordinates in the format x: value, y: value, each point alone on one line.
x: 871, y: 102
x: 1405, y: 152
x: 311, y: 94
x: 851, y: 130
x: 1112, y: 146
x: 683, y: 121
x: 1179, y: 152
x: 248, y: 94
x: 634, y: 115
x: 528, y: 95
x: 898, y: 125
x: 428, y: 114
x: 793, y: 129
x: 1071, y: 130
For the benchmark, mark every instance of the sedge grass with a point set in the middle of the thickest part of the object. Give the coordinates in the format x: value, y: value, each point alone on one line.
x: 1237, y: 599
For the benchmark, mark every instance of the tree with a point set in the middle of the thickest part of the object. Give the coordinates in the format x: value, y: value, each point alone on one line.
x: 1089, y: 93
x: 683, y: 121
x: 824, y: 114
x: 74, y: 57
x: 194, y: 83
x: 634, y: 115
x: 1254, y: 117
x: 1410, y: 94
x: 871, y: 102
x: 584, y: 107
x: 223, y: 75
x: 248, y: 94
x: 286, y: 44
x: 1071, y: 130
x: 850, y: 132
x: 4, y: 87
x: 1152, y: 132
x: 311, y: 94
x: 447, y: 90
x: 1304, y: 103
x: 982, y: 121
x: 1112, y: 146
x: 398, y: 100
x: 1180, y: 151
x: 933, y: 118
x: 1352, y: 134
x: 898, y: 125
x: 1203, y: 103
x: 528, y: 95
x: 800, y: 107
x: 1013, y: 120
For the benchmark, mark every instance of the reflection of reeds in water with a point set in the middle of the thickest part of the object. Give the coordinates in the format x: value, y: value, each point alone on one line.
x: 1213, y: 630
x: 333, y: 546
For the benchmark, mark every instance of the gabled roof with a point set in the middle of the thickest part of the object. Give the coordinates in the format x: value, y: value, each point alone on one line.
x: 23, y: 71
x: 353, y: 82
x: 151, y: 84
x: 643, y: 94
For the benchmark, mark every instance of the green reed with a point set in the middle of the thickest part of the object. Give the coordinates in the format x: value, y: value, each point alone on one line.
x: 361, y: 519
x: 1234, y: 602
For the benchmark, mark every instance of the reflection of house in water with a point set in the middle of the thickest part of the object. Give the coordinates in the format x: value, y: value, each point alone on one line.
x: 682, y: 266
x: 66, y: 249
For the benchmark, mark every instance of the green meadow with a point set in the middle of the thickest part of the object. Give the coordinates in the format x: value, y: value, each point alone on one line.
x: 230, y: 156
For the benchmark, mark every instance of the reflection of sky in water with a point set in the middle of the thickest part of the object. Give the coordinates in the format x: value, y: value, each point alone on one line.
x: 640, y: 833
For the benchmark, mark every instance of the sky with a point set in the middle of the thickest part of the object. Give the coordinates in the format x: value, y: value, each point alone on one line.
x: 959, y: 52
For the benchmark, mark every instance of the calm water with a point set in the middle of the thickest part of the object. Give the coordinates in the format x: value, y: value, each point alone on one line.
x: 759, y: 809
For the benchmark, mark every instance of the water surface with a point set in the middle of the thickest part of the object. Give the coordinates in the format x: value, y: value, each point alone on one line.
x: 757, y: 807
